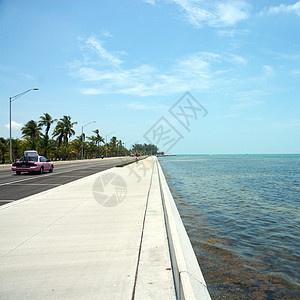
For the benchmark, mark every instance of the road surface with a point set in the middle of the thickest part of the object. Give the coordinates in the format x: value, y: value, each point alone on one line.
x: 14, y: 187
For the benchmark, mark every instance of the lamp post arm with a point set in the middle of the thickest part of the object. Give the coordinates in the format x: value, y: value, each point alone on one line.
x: 21, y: 94
x: 11, y: 99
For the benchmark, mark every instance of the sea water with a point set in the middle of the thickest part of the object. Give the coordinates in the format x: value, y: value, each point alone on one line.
x: 242, y: 214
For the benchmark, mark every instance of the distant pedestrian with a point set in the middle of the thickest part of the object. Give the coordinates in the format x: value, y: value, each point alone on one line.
x: 137, y: 157
x: 102, y: 156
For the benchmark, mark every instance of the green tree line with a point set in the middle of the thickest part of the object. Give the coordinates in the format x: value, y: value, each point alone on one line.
x: 61, y: 145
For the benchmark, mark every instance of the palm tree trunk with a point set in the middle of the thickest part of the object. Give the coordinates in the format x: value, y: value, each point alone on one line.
x: 33, y: 142
x: 58, y: 146
x: 64, y: 155
x: 45, y: 145
x: 46, y: 139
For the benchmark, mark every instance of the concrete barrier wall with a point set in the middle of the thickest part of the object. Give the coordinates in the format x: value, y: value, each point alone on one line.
x: 189, y: 281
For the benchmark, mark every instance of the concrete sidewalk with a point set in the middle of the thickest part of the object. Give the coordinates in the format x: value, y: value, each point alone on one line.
x: 100, y: 237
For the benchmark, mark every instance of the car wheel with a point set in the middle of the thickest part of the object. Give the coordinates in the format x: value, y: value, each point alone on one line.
x: 18, y: 172
x: 51, y: 169
x: 41, y: 170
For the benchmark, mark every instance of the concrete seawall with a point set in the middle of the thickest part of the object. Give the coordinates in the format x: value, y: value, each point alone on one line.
x: 188, y: 278
x: 116, y: 234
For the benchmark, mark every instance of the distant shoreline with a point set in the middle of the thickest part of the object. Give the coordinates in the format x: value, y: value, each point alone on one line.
x: 206, y: 154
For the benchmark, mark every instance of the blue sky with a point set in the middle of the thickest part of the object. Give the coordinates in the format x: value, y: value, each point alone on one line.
x: 124, y: 64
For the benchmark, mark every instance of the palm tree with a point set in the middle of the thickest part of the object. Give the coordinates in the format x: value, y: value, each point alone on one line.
x: 46, y: 120
x: 92, y: 139
x: 113, y: 145
x: 91, y: 146
x: 68, y: 131
x: 59, y: 133
x: 51, y: 149
x: 64, y: 130
x: 32, y: 130
x: 18, y: 147
x: 97, y: 139
x: 4, y: 147
x: 120, y: 146
x: 76, y: 145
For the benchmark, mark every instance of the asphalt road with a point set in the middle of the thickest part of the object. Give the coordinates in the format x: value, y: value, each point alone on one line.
x: 14, y: 187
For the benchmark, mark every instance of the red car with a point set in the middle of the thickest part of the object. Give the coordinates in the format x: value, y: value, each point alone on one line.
x: 32, y: 162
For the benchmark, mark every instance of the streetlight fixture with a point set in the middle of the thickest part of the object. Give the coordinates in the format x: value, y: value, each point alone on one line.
x: 11, y: 99
x: 82, y: 137
x: 106, y: 140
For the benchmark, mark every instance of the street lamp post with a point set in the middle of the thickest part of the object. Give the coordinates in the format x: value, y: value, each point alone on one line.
x: 82, y: 137
x: 106, y: 141
x: 11, y: 99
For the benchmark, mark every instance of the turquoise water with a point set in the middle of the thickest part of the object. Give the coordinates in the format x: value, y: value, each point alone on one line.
x: 242, y: 213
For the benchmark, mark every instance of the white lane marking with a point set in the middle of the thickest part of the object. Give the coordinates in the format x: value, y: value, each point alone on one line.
x: 69, y: 176
x: 34, y: 177
x: 39, y: 184
x: 7, y: 201
x: 44, y: 175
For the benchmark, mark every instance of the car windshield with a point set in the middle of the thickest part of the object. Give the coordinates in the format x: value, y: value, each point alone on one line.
x: 29, y: 158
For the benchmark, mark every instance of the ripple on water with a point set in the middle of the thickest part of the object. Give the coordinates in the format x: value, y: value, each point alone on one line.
x: 243, y: 215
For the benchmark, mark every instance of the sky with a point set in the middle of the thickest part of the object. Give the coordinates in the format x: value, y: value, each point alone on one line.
x: 191, y: 76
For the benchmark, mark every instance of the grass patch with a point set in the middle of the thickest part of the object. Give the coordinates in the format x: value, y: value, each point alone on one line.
x: 131, y: 162
x: 121, y: 166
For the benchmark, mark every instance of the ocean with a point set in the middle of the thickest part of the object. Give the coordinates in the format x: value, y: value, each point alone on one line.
x: 242, y: 214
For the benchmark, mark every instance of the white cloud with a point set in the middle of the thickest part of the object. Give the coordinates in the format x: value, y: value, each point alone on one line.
x: 239, y: 60
x: 92, y: 91
x: 106, y: 33
x: 268, y: 71
x: 90, y: 74
x: 145, y: 106
x: 226, y: 116
x: 255, y: 119
x: 284, y: 56
x: 232, y: 33
x: 26, y: 76
x: 231, y: 12
x: 290, y: 123
x: 197, y: 71
x: 248, y: 98
x: 295, y: 72
x: 227, y: 33
x: 152, y: 2
x: 192, y: 72
x: 14, y: 125
x: 282, y: 8
x: 214, y: 13
x: 96, y: 45
x: 244, y: 104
